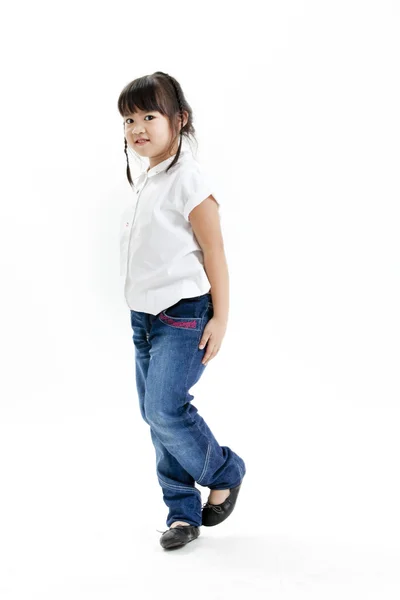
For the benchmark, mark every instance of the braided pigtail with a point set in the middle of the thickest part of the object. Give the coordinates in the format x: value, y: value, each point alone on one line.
x: 180, y: 104
x: 178, y: 96
x: 128, y: 171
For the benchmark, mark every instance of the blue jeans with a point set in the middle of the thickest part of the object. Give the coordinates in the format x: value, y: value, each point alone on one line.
x: 168, y: 363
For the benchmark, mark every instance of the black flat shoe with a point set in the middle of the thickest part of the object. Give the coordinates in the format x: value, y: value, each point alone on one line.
x: 213, y: 514
x: 174, y: 537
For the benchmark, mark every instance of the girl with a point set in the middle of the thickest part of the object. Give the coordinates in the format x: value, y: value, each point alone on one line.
x: 176, y: 286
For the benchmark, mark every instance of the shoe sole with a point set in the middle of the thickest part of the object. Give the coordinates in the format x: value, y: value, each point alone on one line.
x: 178, y: 545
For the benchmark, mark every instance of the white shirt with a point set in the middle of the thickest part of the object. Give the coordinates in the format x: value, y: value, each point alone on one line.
x: 161, y: 260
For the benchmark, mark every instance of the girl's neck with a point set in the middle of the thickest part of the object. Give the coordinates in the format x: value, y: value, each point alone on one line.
x: 162, y: 160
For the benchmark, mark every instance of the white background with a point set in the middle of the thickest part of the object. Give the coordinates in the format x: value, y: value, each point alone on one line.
x: 296, y: 112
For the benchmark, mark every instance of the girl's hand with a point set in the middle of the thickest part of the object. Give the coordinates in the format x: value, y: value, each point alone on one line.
x: 213, y: 335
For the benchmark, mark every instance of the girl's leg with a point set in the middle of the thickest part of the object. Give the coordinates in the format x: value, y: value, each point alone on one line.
x: 179, y: 492
x: 186, y: 448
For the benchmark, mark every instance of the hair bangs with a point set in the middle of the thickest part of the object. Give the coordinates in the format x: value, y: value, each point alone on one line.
x: 142, y: 94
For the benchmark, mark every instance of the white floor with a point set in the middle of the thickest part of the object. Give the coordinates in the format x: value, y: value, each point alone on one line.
x: 77, y: 522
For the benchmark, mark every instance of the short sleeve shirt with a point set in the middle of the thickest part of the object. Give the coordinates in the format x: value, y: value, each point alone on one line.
x: 161, y: 260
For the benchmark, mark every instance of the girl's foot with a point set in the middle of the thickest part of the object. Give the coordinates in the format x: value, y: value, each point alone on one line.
x: 215, y: 514
x: 218, y: 496
x: 179, y: 536
x: 175, y: 523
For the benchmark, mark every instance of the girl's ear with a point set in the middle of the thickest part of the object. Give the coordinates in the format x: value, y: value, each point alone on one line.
x: 185, y: 117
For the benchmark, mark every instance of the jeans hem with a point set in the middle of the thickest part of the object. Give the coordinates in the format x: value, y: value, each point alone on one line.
x: 228, y: 488
x: 186, y: 521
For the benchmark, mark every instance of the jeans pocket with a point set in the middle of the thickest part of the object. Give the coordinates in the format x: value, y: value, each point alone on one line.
x: 188, y: 313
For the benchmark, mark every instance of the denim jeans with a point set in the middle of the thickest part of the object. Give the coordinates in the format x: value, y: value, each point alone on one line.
x: 167, y: 364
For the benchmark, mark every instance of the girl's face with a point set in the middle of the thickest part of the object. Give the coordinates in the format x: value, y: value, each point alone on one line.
x: 153, y: 126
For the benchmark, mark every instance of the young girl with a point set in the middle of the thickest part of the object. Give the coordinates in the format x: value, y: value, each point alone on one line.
x: 176, y: 286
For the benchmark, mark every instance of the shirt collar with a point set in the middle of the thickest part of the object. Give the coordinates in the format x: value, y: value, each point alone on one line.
x: 185, y: 152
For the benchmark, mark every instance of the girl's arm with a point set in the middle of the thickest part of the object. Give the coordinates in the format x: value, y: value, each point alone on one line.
x: 205, y: 222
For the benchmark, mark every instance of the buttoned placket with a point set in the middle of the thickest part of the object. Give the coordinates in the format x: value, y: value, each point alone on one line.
x: 138, y: 192
x: 153, y: 171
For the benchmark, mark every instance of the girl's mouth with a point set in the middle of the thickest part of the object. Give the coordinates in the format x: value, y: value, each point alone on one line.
x: 142, y: 142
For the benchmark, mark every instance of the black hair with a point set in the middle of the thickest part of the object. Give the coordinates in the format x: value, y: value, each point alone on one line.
x: 157, y: 92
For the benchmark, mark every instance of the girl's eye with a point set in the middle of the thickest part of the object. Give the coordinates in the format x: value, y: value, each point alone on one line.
x: 145, y: 117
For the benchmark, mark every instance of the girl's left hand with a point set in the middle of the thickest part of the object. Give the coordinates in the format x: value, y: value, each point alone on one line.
x: 213, y: 335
